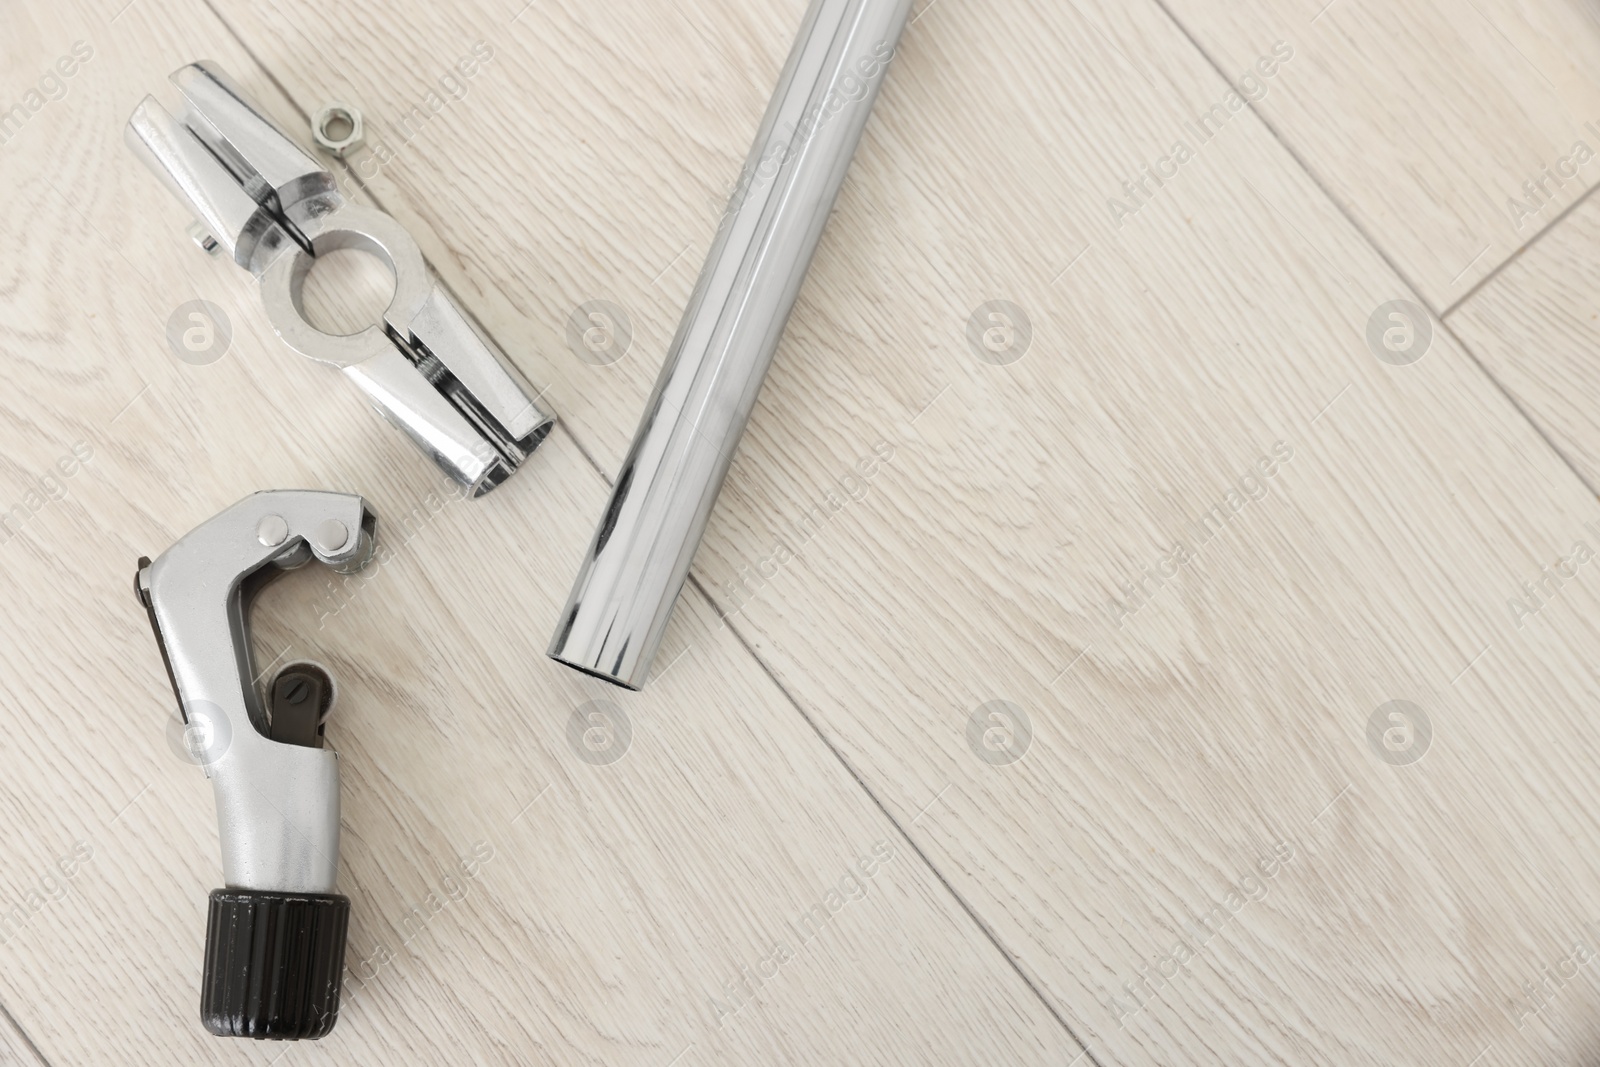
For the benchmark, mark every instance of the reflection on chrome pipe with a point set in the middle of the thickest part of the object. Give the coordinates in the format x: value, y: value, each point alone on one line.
x: 641, y: 553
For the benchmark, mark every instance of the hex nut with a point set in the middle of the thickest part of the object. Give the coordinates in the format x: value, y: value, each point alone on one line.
x: 335, y: 114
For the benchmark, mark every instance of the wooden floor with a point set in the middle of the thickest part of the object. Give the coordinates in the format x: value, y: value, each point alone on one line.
x: 1095, y: 659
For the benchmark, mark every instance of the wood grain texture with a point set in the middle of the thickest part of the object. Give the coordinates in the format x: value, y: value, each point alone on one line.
x: 911, y: 531
x: 15, y: 1051
x: 1172, y: 751
x: 1424, y: 118
x: 620, y: 913
x: 1536, y: 326
x: 1227, y: 717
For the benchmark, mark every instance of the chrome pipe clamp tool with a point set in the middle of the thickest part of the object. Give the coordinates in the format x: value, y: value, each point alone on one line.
x: 258, y: 197
x: 275, y: 937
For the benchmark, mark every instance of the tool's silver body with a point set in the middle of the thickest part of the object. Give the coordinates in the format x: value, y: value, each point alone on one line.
x: 277, y: 804
x: 257, y: 197
x: 640, y: 555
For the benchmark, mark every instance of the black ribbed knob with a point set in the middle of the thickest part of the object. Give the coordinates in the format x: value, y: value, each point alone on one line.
x: 274, y: 963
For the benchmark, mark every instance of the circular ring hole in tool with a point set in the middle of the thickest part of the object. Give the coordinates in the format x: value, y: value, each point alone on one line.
x: 291, y: 310
x: 346, y: 289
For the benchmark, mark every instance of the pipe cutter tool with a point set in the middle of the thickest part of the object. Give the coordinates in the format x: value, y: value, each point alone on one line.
x: 275, y: 937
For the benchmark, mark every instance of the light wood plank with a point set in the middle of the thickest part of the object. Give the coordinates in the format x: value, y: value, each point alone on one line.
x: 1424, y: 118
x: 609, y: 907
x: 1536, y: 326
x: 14, y: 1048
x: 1227, y: 716
x: 1208, y: 726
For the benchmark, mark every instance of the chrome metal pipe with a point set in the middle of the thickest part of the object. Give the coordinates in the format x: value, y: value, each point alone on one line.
x: 663, y: 496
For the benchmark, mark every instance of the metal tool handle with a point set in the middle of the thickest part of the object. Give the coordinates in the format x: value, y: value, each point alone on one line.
x: 277, y: 803
x: 640, y: 555
x: 275, y: 937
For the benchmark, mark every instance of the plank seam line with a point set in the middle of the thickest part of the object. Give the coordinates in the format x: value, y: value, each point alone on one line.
x: 1517, y: 253
x: 983, y: 927
x: 268, y: 71
x: 1516, y: 404
x: 844, y: 761
x: 12, y: 1019
x: 562, y: 426
x: 1345, y: 212
x: 567, y: 432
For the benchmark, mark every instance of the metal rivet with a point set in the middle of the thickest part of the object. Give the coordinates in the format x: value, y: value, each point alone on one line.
x: 272, y: 530
x: 331, y: 535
